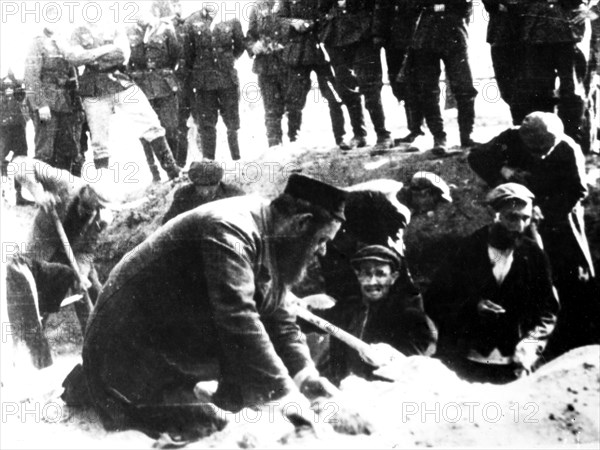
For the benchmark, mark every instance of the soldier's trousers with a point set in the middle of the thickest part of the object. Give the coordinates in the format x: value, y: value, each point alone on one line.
x: 209, y: 103
x: 184, y: 104
x: 509, y: 75
x: 58, y: 140
x: 142, y: 120
x: 299, y: 88
x: 273, y: 89
x: 546, y: 62
x: 396, y: 57
x: 428, y: 70
x: 166, y: 109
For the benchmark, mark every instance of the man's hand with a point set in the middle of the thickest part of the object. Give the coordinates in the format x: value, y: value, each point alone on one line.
x: 487, y: 308
x: 301, y: 25
x: 46, y: 201
x: 381, y: 354
x: 514, y: 175
x: 314, y: 387
x: 84, y: 285
x: 525, y: 356
x: 258, y: 48
x: 44, y: 113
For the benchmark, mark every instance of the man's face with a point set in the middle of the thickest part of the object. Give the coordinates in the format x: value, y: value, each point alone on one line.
x: 514, y: 218
x: 298, y: 245
x: 375, y: 279
x: 207, y: 191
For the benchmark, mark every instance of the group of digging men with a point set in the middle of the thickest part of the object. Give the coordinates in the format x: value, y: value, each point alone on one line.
x: 164, y: 68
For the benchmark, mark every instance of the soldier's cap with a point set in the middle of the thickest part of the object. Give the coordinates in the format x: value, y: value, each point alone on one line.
x: 205, y: 173
x: 541, y: 129
x: 428, y: 180
x: 328, y: 197
x: 508, y: 192
x: 378, y: 253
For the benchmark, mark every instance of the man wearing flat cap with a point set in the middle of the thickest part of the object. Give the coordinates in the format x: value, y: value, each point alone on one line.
x: 205, y: 186
x: 540, y: 156
x: 380, y: 314
x: 204, y: 298
x: 493, y: 301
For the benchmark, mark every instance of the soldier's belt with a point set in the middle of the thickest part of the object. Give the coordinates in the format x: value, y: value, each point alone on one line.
x: 146, y: 71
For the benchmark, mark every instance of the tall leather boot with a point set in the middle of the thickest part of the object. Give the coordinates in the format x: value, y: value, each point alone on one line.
x: 165, y: 157
x: 357, y: 118
x: 294, y: 122
x: 150, y: 160
x: 234, y: 146
x: 208, y: 142
x: 466, y: 119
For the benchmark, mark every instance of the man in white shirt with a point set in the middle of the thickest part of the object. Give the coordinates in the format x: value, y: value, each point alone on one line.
x: 493, y: 301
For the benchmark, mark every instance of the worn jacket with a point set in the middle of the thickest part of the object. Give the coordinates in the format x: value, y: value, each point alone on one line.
x: 505, y: 21
x: 270, y: 29
x: 357, y: 21
x: 154, y: 56
x: 210, y: 55
x: 442, y: 30
x: 303, y: 47
x: 549, y: 22
x: 12, y: 94
x: 105, y: 75
x: 466, y: 278
x: 187, y: 198
x: 201, y: 288
x: 49, y: 78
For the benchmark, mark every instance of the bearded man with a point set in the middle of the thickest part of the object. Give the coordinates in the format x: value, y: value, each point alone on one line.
x: 493, y: 302
x: 204, y: 298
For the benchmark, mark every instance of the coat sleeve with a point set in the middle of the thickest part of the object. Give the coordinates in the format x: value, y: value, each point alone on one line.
x: 249, y: 357
x: 239, y: 44
x: 33, y: 68
x: 252, y: 36
x: 175, y: 47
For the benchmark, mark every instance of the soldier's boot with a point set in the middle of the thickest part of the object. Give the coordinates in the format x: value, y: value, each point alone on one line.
x: 357, y: 120
x: 182, y: 147
x: 150, y: 160
x: 165, y: 157
x: 439, y: 144
x: 336, y: 113
x: 234, y: 145
x: 466, y: 120
x: 174, y: 146
x: 208, y: 142
x: 294, y: 123
x: 274, y: 132
x: 375, y: 108
x: 414, y: 121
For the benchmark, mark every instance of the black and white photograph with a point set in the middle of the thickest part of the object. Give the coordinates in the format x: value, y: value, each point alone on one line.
x: 324, y: 224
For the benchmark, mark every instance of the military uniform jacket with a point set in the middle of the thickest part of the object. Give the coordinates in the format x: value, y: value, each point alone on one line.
x: 549, y: 22
x: 526, y: 294
x: 12, y: 94
x: 504, y: 27
x: 269, y: 28
x: 210, y: 55
x: 204, y: 286
x: 442, y: 24
x: 357, y: 21
x: 154, y: 56
x: 399, y: 23
x: 303, y: 47
x: 106, y: 75
x: 49, y: 77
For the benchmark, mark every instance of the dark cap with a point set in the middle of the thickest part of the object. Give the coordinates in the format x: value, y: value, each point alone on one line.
x: 205, y: 173
x: 318, y: 193
x: 428, y: 180
x: 508, y: 192
x: 377, y: 253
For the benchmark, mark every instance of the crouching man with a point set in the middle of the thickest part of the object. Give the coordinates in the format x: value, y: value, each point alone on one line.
x: 40, y: 277
x: 204, y: 298
x: 494, y: 303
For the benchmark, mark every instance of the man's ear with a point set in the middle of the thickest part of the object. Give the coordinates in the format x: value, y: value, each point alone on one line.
x: 395, y: 276
x: 302, y: 222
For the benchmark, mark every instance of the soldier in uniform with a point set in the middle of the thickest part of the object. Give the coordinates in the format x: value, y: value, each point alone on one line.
x: 211, y: 49
x: 503, y: 32
x: 353, y: 33
x: 266, y: 40
x: 104, y: 50
x: 402, y: 22
x: 155, y: 52
x: 54, y: 105
x: 441, y: 35
x: 556, y: 35
x: 12, y: 125
x: 303, y: 54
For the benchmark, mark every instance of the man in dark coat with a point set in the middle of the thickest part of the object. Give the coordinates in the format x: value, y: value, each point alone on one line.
x: 441, y: 35
x: 388, y: 309
x: 204, y: 298
x: 539, y: 155
x: 493, y: 301
x: 303, y: 54
x: 354, y: 34
x: 39, y: 277
x: 155, y: 52
x: 211, y: 48
x: 206, y: 186
x: 266, y: 40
